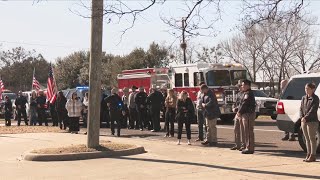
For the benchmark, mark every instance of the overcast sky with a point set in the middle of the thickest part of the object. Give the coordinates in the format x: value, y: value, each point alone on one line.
x: 53, y: 30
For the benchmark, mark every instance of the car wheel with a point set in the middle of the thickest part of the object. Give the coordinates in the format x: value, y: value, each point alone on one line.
x: 274, y: 117
x: 302, y: 140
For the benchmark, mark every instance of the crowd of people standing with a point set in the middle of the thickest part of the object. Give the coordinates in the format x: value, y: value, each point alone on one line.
x: 139, y: 110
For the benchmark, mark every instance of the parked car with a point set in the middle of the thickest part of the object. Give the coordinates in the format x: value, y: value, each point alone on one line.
x: 265, y: 105
x: 288, y: 111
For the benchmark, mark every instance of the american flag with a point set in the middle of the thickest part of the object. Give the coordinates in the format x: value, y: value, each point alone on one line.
x: 51, y: 87
x: 1, y: 85
x: 35, y: 82
x: 1, y: 88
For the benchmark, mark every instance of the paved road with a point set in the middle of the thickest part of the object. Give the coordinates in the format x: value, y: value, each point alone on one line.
x: 267, y: 135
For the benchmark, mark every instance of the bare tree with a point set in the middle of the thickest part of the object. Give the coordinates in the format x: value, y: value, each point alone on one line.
x: 211, y: 55
x: 246, y: 49
x: 262, y: 11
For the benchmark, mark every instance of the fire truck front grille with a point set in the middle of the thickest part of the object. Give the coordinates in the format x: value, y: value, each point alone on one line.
x: 228, y: 96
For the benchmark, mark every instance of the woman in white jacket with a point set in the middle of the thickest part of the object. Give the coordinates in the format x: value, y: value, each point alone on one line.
x: 74, y: 108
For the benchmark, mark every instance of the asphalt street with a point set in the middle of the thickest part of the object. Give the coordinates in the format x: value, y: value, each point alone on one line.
x: 267, y: 137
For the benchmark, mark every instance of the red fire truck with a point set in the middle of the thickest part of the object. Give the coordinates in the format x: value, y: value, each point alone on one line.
x: 222, y: 78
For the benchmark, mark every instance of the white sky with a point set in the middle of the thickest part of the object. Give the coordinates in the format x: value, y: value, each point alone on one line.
x: 54, y: 31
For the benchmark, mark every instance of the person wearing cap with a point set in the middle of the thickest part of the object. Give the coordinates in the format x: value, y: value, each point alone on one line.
x: 211, y: 114
x: 141, y: 104
x: 156, y: 102
x: 7, y: 111
x: 116, y: 107
x: 74, y: 108
x: 20, y: 103
x: 238, y: 125
x: 133, y: 120
x: 41, y: 101
x: 246, y: 112
x: 125, y: 100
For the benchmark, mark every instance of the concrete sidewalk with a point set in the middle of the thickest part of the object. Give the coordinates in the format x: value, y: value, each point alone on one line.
x: 164, y: 160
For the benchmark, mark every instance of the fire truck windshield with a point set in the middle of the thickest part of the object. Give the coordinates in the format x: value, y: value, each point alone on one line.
x: 237, y: 75
x: 218, y: 78
x: 225, y: 77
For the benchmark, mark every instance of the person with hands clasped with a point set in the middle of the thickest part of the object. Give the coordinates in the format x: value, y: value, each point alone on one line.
x: 309, y: 120
x: 246, y: 112
x: 211, y: 114
x: 185, y: 110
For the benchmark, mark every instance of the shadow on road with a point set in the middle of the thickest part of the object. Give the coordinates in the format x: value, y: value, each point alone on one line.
x: 134, y: 135
x: 283, y: 153
x: 295, y: 175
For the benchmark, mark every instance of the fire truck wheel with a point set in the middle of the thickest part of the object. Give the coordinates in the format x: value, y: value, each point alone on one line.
x: 225, y: 118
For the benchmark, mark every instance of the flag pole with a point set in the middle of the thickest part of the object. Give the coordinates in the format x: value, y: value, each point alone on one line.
x: 34, y: 71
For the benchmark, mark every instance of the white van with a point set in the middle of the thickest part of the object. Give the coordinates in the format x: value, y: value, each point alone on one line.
x: 288, y: 106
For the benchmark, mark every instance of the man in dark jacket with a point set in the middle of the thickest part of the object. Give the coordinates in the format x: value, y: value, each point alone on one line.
x: 116, y: 107
x: 141, y: 104
x: 20, y: 103
x: 7, y: 111
x: 156, y: 102
x: 247, y: 114
x: 104, y: 111
x: 211, y: 114
x: 41, y: 101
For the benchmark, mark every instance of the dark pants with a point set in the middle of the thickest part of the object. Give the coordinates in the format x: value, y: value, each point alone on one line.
x: 184, y: 119
x: 104, y: 117
x: 155, y: 115
x: 74, y: 124
x: 201, y: 122
x: 24, y: 113
x: 125, y: 118
x: 170, y: 116
x: 115, y: 116
x: 7, y: 117
x: 142, y: 116
x: 54, y: 117
x: 42, y: 117
x: 63, y: 119
x: 133, y: 120
x: 149, y: 119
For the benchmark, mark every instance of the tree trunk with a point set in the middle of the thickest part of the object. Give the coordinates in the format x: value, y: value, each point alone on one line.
x: 95, y: 74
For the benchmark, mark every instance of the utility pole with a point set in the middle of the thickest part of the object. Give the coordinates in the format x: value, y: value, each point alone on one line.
x: 183, y: 45
x: 95, y: 74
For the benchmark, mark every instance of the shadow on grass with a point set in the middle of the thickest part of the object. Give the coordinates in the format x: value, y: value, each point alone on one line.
x: 294, y: 175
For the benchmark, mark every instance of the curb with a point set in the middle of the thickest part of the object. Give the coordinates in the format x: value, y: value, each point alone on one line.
x: 82, y: 156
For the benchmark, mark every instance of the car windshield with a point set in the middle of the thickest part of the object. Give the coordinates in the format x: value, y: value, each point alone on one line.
x: 295, y: 88
x: 258, y: 93
x: 218, y: 78
x: 11, y: 96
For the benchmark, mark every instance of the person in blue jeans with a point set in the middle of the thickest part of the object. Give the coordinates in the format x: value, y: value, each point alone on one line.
x: 33, y: 109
